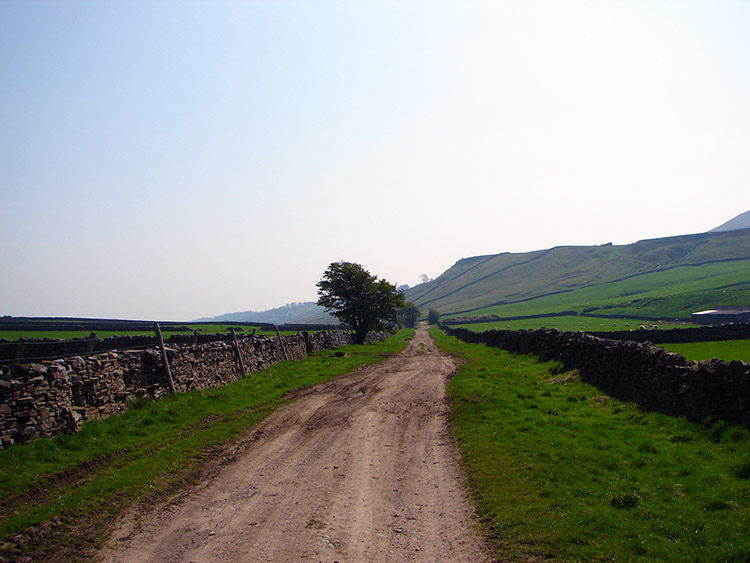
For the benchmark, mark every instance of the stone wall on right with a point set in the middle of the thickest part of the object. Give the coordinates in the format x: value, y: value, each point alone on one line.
x: 635, y: 371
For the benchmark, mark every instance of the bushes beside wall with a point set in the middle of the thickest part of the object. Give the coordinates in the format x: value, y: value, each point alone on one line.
x: 45, y: 398
x: 633, y: 371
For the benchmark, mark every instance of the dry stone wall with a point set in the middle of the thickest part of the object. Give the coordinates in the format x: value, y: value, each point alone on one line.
x: 633, y: 371
x: 48, y: 397
x: 50, y: 348
x: 682, y: 335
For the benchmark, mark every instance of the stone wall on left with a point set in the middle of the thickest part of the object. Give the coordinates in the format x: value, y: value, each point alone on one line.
x: 52, y: 396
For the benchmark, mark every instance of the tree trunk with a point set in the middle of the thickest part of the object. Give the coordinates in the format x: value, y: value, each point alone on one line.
x: 360, y: 335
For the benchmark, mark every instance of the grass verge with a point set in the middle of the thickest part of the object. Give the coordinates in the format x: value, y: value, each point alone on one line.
x: 561, y: 471
x: 58, y: 494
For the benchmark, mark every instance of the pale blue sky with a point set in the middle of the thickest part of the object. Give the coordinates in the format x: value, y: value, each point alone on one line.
x: 171, y: 160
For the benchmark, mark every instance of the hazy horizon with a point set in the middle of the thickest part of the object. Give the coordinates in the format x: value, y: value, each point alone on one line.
x: 298, y: 303
x: 177, y: 160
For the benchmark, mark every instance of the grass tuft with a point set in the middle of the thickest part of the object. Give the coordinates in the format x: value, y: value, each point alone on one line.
x: 741, y: 469
x: 626, y: 501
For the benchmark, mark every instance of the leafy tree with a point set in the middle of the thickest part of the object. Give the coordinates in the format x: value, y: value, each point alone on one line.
x: 409, y: 315
x: 433, y: 316
x: 358, y: 298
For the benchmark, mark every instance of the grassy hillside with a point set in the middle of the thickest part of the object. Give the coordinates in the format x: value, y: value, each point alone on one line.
x: 291, y: 313
x: 669, y: 277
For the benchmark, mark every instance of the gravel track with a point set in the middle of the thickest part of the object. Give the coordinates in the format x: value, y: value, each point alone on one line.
x: 361, y: 468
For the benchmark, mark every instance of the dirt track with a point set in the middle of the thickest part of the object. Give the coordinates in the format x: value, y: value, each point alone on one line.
x: 358, y: 469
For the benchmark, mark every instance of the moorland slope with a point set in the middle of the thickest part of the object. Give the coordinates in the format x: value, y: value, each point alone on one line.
x: 667, y: 277
x: 742, y: 221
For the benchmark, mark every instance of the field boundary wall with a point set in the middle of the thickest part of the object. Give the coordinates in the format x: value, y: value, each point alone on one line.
x: 651, y: 376
x: 29, y: 349
x: 681, y: 335
x: 52, y: 396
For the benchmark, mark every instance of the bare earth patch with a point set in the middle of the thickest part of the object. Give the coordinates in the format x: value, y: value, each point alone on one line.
x: 361, y: 468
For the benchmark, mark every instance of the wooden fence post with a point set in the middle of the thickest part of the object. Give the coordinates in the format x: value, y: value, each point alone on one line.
x: 164, y: 359
x: 281, y: 340
x: 92, y: 340
x: 19, y: 350
x: 239, y: 353
x: 308, y: 342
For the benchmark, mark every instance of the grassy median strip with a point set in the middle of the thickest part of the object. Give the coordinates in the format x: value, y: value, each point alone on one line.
x: 562, y: 471
x: 49, y: 486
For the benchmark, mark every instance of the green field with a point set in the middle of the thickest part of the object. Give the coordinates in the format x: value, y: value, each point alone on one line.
x: 76, y: 481
x: 588, y: 324
x: 726, y: 350
x: 69, y: 334
x: 562, y: 472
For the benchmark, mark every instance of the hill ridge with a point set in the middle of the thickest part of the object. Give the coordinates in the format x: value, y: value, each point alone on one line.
x: 496, y: 273
x: 473, y: 285
x: 607, y: 282
x: 742, y: 221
